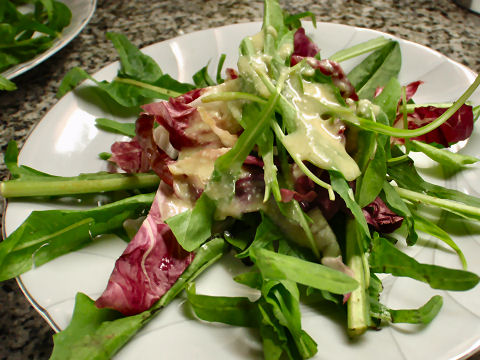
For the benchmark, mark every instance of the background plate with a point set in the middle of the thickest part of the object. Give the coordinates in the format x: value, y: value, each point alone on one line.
x: 82, y: 11
x: 66, y: 142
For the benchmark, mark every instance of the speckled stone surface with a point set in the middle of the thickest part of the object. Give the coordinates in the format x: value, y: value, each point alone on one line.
x: 439, y: 24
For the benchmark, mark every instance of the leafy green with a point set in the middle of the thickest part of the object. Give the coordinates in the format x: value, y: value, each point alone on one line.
x: 27, y: 181
x: 193, y: 227
x: 453, y: 161
x: 133, y: 63
x: 359, y: 49
x: 423, y: 315
x: 236, y: 311
x: 127, y: 129
x: 282, y: 267
x: 386, y: 258
x: 45, y: 235
x: 139, y: 80
x: 6, y: 84
x: 376, y: 70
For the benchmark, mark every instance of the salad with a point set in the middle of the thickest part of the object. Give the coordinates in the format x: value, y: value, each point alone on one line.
x: 301, y: 171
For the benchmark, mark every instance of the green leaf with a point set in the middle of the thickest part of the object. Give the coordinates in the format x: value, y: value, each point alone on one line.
x: 133, y: 63
x: 342, y: 188
x: 395, y: 203
x: 386, y: 258
x: 71, y: 80
x: 6, y: 84
x: 123, y: 128
x: 95, y: 333
x: 376, y: 70
x: 30, y: 182
x: 236, y: 311
x: 389, y: 99
x: 202, y: 79
x: 359, y: 49
x: 45, y: 235
x: 283, y: 267
x: 193, y: 227
x: 452, y: 161
x: 423, y: 315
x: 406, y: 176
x: 425, y: 225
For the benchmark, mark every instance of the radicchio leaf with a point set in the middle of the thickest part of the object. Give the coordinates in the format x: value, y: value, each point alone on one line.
x: 303, y: 46
x: 381, y: 217
x: 175, y: 116
x: 149, y: 266
x: 457, y: 128
x: 129, y: 156
x: 158, y: 159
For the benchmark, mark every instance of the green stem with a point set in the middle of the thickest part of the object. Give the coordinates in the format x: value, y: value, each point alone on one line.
x: 357, y: 306
x: 233, y: 95
x: 157, y: 89
x: 405, y: 133
x: 450, y: 205
x: 359, y: 49
x: 25, y: 188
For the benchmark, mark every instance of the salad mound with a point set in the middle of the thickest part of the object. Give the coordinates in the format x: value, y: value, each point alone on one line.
x: 298, y: 169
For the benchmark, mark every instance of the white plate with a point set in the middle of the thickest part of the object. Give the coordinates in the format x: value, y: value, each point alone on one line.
x: 66, y: 142
x: 82, y: 11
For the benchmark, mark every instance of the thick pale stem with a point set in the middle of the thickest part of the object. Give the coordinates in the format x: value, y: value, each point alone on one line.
x: 25, y: 188
x: 357, y: 306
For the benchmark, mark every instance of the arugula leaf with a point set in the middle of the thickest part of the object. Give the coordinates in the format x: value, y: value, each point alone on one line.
x: 423, y: 224
x: 376, y: 70
x: 452, y: 161
x: 386, y: 258
x: 127, y: 92
x: 282, y: 267
x: 406, y: 176
x: 396, y: 203
x: 30, y: 182
x: 341, y: 187
x: 193, y: 227
x: 127, y: 129
x: 45, y: 235
x: 6, y: 84
x: 236, y: 311
x: 133, y: 63
x: 359, y: 49
x: 202, y: 79
x: 423, y: 315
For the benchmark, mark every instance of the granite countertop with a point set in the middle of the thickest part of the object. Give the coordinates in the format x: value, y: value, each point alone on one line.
x: 439, y: 24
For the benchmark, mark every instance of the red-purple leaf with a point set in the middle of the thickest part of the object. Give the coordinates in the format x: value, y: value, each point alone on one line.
x: 303, y: 46
x: 129, y: 156
x: 457, y: 128
x: 149, y: 266
x: 157, y: 158
x: 381, y: 217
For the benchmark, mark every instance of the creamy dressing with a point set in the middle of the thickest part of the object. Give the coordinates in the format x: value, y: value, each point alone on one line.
x: 317, y: 140
x: 197, y: 166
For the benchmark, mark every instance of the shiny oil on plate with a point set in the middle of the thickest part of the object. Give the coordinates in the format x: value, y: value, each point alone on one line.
x: 70, y: 143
